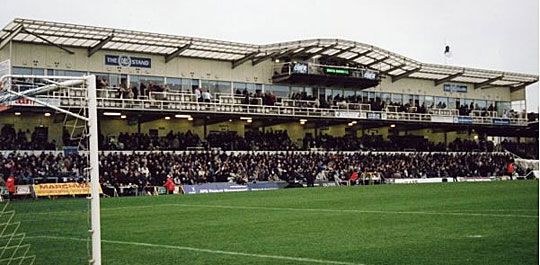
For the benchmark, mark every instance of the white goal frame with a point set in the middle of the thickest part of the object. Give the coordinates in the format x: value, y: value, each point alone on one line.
x: 9, y: 95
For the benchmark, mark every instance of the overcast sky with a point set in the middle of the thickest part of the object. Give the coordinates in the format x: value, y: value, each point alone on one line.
x: 490, y: 34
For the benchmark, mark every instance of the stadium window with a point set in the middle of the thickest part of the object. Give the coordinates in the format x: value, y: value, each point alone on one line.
x: 397, y: 98
x: 365, y: 96
x: 194, y: 84
x: 378, y: 97
x: 337, y: 92
x: 348, y: 93
x: 442, y: 102
x: 309, y: 91
x: 28, y: 71
x: 518, y: 105
x: 502, y: 107
x: 209, y: 86
x: 419, y: 100
x: 295, y: 90
x: 50, y: 72
x: 428, y: 100
x: 452, y: 103
x: 239, y: 88
x: 407, y: 99
x: 480, y: 104
x: 278, y: 91
x: 469, y: 103
x: 175, y: 84
x: 186, y: 85
x: 386, y: 97
x: 224, y: 87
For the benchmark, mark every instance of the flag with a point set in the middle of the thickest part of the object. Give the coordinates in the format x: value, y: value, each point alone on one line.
x: 447, y: 51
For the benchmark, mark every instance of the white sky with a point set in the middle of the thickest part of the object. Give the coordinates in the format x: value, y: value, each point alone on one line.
x: 490, y: 34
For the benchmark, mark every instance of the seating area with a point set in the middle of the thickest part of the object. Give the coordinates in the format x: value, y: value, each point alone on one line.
x: 151, y: 169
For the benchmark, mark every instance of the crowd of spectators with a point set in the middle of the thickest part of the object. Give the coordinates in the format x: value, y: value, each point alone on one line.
x: 258, y: 141
x: 23, y: 140
x: 252, y: 141
x: 143, y: 141
x: 524, y: 150
x: 395, y: 143
x: 149, y: 169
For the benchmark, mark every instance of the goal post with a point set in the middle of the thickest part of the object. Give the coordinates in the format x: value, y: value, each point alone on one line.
x: 11, y: 90
x: 95, y: 217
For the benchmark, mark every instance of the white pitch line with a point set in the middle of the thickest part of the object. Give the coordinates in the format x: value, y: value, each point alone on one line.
x: 356, y: 211
x: 465, y: 213
x: 205, y: 250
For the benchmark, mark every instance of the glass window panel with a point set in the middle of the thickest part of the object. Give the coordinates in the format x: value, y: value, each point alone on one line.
x: 386, y: 97
x: 278, y: 91
x: 397, y: 99
x: 441, y: 102
x: 407, y: 99
x: 428, y: 101
x: 22, y: 71
x: 175, y: 84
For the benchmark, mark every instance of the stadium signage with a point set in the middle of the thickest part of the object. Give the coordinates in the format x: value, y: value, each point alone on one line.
x: 127, y: 61
x: 463, y: 119
x: 455, y: 88
x: 347, y: 114
x: 230, y: 187
x: 60, y: 189
x: 445, y: 119
x: 337, y: 71
x: 374, y: 116
x: 300, y: 68
x: 370, y: 75
x: 501, y: 121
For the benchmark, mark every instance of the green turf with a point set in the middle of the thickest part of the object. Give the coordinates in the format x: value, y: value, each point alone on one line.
x: 463, y: 223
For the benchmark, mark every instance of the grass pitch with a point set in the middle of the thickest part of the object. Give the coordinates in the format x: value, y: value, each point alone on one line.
x: 452, y: 223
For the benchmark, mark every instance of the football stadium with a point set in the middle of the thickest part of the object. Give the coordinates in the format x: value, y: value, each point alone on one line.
x: 127, y: 147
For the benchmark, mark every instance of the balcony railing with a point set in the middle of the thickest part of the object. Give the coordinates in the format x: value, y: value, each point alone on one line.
x: 184, y: 102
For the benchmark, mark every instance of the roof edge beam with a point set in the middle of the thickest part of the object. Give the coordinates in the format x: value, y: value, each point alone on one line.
x: 322, y: 50
x: 48, y: 41
x: 244, y: 59
x: 11, y: 35
x: 264, y: 58
x: 488, y: 82
x: 359, y: 55
x: 177, y: 52
x: 406, y: 74
x: 99, y: 45
x: 448, y: 78
x: 391, y: 69
x: 345, y: 50
x: 376, y: 61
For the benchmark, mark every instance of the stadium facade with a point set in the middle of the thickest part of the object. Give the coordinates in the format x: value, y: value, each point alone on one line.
x: 320, y: 86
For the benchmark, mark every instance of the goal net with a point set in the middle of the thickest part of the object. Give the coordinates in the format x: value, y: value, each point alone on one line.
x: 51, y: 229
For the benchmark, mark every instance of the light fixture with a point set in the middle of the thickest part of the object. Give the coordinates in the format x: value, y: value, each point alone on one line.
x: 303, y: 120
x: 277, y: 61
x: 353, y: 122
x: 230, y: 120
x: 392, y: 126
x: 184, y: 116
x: 123, y: 117
x: 17, y: 113
x: 190, y: 118
x: 475, y: 137
x: 167, y: 117
x: 47, y: 114
x: 350, y: 124
x: 112, y: 113
x: 249, y: 121
x: 245, y: 118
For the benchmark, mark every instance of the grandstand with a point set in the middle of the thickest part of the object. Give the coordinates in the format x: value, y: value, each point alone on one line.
x: 218, y: 116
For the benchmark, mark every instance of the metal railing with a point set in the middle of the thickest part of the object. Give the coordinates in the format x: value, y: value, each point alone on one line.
x: 185, y: 102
